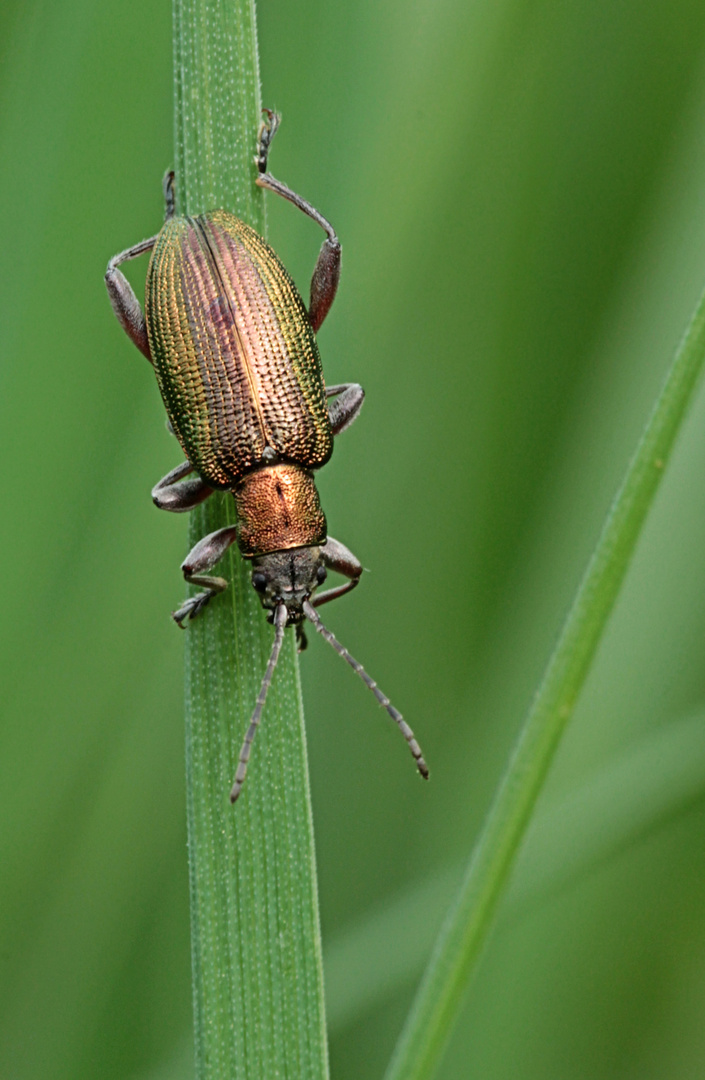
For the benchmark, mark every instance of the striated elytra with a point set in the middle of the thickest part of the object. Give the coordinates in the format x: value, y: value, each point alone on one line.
x: 234, y: 350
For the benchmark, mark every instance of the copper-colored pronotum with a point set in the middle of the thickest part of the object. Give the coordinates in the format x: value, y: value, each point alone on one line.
x: 235, y: 354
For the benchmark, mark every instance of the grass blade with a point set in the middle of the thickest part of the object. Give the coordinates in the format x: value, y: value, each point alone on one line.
x: 468, y: 925
x: 258, y: 988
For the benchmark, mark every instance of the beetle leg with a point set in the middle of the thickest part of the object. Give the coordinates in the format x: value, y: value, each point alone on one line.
x: 267, y: 130
x: 169, y: 494
x: 326, y: 274
x: 324, y: 282
x: 345, y: 408
x: 122, y: 297
x: 333, y: 594
x: 169, y: 194
x: 337, y: 557
x: 201, y: 558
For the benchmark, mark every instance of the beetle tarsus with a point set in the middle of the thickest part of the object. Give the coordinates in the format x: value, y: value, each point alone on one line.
x: 191, y: 608
x: 267, y: 131
x: 169, y: 194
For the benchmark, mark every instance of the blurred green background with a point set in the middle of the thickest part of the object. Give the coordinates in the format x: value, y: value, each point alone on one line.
x: 520, y: 191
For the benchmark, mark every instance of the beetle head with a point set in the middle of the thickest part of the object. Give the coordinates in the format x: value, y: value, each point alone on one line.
x: 289, y: 578
x: 285, y: 581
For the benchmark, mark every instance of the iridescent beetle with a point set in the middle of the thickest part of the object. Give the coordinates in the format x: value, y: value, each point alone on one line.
x: 235, y: 355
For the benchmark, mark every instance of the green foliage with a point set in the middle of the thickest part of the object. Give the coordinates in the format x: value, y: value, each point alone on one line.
x: 459, y: 946
x: 518, y: 188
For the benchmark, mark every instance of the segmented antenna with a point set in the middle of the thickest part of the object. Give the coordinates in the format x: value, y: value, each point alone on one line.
x: 280, y: 617
x: 396, y: 716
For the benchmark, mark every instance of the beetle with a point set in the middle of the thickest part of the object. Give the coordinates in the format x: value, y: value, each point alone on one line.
x: 234, y: 350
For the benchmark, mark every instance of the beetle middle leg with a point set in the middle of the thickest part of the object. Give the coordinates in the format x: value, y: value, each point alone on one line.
x: 346, y: 407
x: 326, y: 274
x: 203, y: 557
x: 178, y: 495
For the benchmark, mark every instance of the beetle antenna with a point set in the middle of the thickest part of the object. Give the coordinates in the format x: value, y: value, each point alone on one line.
x: 312, y: 615
x: 280, y: 617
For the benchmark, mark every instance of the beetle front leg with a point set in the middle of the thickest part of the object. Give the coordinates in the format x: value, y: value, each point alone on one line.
x: 326, y: 274
x: 346, y: 407
x: 122, y: 297
x: 337, y: 557
x: 201, y: 558
x: 178, y: 495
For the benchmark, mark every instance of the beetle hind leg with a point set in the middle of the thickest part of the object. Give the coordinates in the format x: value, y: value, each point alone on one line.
x: 125, y: 304
x: 178, y: 495
x: 200, y: 559
x: 326, y: 274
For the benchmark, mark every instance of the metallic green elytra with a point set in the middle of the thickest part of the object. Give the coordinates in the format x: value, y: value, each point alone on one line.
x: 234, y: 350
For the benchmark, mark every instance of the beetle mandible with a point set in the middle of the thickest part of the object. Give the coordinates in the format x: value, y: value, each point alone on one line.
x: 234, y: 351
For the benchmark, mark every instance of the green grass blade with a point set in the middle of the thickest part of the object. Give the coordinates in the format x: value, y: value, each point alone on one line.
x: 466, y: 930
x: 644, y: 789
x: 258, y: 988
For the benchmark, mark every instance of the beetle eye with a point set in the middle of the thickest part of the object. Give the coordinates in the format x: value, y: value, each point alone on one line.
x: 321, y: 574
x: 259, y: 581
